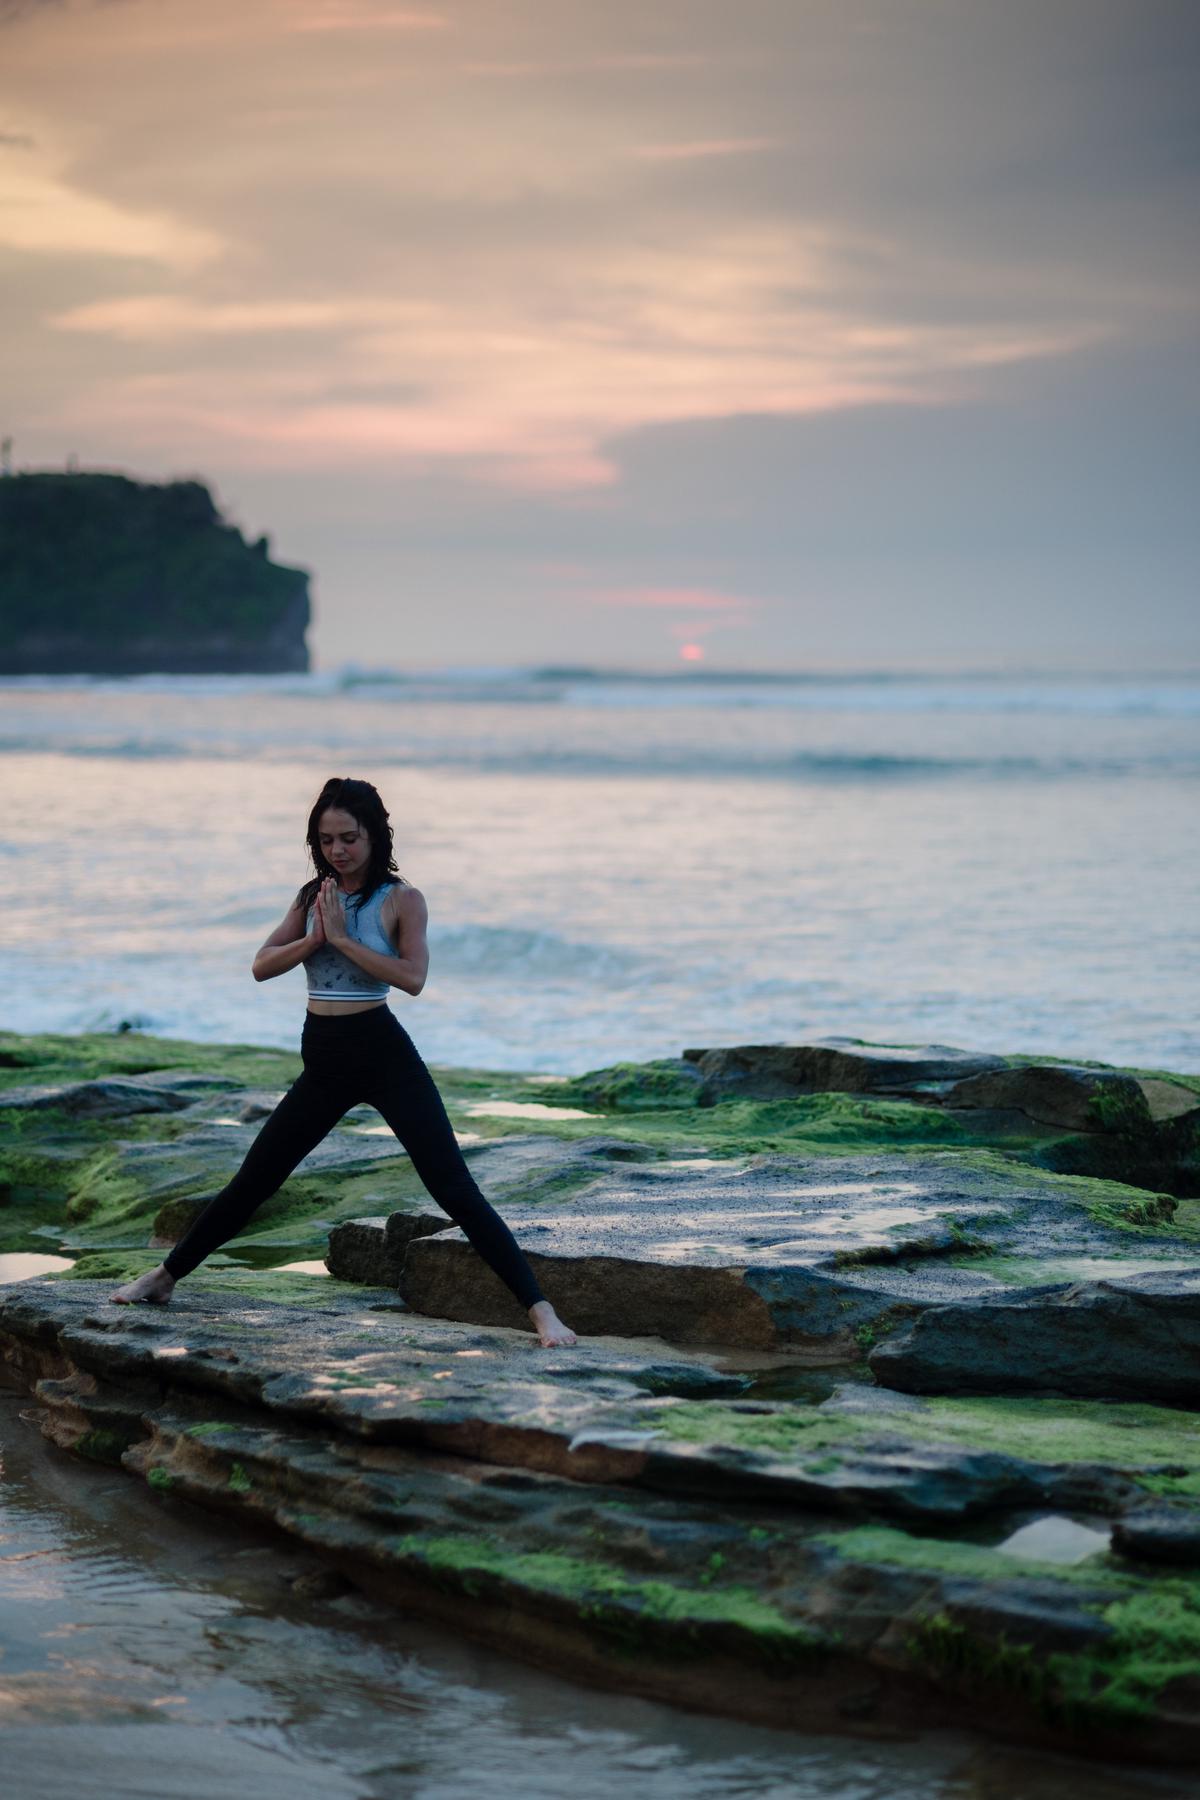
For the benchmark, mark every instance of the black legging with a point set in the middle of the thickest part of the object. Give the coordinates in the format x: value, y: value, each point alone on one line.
x: 348, y: 1058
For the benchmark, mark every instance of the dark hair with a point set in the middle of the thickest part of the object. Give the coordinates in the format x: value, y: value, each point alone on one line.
x: 362, y: 802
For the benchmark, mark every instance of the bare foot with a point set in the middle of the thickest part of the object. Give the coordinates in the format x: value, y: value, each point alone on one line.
x: 155, y: 1286
x: 549, y: 1326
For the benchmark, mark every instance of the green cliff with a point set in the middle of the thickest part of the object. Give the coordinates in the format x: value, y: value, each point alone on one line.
x: 101, y: 575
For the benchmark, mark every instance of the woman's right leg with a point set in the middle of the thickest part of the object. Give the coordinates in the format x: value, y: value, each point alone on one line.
x: 308, y: 1112
x: 404, y: 1092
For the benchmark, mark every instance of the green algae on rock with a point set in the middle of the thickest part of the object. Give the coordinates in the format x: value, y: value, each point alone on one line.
x: 1084, y: 1119
x: 884, y: 1209
x: 602, y: 1562
x: 722, y: 1524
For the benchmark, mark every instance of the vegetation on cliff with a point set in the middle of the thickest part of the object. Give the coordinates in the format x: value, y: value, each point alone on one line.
x: 102, y: 575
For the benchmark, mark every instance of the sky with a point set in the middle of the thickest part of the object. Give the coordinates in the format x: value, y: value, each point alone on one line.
x: 719, y: 334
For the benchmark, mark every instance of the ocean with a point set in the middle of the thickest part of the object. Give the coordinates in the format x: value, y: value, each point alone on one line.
x: 619, y: 865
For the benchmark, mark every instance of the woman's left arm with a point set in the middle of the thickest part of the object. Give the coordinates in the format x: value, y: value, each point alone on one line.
x: 404, y: 916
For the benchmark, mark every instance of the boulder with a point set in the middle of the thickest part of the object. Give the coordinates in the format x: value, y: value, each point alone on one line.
x: 665, y: 1085
x: 1168, y: 1100
x: 820, y: 1253
x: 1160, y: 1534
x: 1131, y: 1339
x: 774, y: 1249
x: 1078, y: 1120
x: 835, y: 1064
x: 1059, y: 1094
x: 112, y: 1097
x: 192, y: 1083
x: 373, y: 1250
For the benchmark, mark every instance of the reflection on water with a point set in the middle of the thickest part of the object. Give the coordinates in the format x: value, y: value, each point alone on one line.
x: 150, y: 1649
x: 526, y: 1109
x: 1055, y: 1539
x: 21, y: 1265
x: 462, y: 1137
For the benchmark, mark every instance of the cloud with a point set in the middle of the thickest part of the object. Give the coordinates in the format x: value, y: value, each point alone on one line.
x: 692, y: 296
x: 712, y: 147
x: 523, y: 382
x: 43, y: 214
x: 168, y: 318
x: 683, y: 614
x: 349, y: 17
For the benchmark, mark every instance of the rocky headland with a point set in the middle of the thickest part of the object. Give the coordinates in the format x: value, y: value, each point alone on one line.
x: 101, y: 575
x: 884, y: 1412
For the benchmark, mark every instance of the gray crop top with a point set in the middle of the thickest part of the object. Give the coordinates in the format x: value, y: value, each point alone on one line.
x: 330, y: 974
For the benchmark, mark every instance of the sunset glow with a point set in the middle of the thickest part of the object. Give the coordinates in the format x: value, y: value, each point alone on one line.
x: 451, y: 293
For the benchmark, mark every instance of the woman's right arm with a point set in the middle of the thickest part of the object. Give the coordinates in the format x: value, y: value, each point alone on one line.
x: 287, y: 945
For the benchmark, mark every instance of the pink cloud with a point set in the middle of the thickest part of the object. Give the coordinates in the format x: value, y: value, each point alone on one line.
x: 689, y: 614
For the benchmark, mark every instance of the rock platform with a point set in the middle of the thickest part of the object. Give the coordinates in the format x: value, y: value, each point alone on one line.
x: 818, y: 1255
x: 645, y: 1518
x: 875, y: 1421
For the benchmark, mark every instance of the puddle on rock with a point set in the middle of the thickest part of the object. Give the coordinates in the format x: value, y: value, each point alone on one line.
x: 805, y: 1385
x: 463, y: 1137
x: 21, y: 1265
x: 691, y: 1162
x: 799, y: 1383
x: 1055, y: 1539
x: 153, y: 1650
x: 687, y: 1384
x: 525, y: 1109
x: 863, y: 1220
x: 1045, y: 1271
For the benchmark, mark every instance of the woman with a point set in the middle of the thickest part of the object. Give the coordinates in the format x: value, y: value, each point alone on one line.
x: 359, y: 929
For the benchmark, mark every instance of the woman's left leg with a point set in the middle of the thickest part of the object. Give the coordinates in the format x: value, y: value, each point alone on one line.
x: 405, y: 1093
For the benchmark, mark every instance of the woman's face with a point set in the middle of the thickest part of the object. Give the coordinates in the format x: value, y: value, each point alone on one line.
x: 344, y: 843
